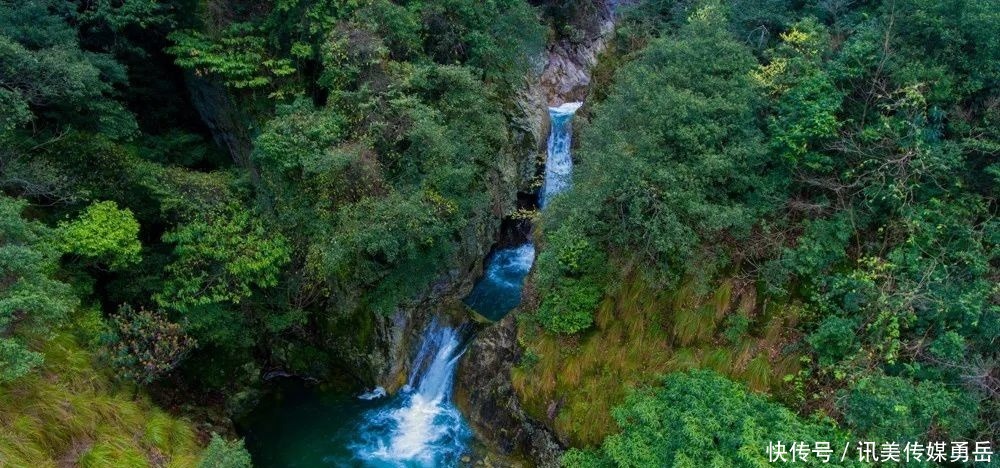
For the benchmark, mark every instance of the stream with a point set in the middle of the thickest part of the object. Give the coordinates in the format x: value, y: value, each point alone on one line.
x: 298, y: 425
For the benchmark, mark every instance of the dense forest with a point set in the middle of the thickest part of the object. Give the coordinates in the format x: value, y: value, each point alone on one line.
x: 782, y: 224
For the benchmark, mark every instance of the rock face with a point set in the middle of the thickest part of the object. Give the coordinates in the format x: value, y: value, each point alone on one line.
x: 485, y: 395
x: 566, y: 77
x: 220, y: 111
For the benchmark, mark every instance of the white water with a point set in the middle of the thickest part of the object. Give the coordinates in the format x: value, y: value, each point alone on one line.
x: 559, y: 162
x: 499, y: 291
x: 374, y: 394
x: 421, y: 427
x: 509, y: 266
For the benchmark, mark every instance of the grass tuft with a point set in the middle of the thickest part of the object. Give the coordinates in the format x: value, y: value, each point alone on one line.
x: 642, y: 332
x: 68, y: 414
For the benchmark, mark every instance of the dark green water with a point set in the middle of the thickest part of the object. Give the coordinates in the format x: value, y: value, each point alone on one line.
x: 300, y: 426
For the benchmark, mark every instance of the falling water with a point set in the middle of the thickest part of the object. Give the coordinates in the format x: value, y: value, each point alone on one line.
x: 500, y: 289
x: 421, y: 427
x: 559, y: 163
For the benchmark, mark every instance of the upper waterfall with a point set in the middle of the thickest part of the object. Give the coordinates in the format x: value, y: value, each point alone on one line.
x: 559, y: 162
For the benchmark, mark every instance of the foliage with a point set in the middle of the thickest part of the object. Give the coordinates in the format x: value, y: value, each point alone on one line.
x: 807, y: 188
x: 696, y: 418
x: 103, y: 231
x: 892, y: 408
x: 32, y: 301
x: 855, y: 181
x: 220, y: 256
x: 662, y: 181
x: 69, y: 412
x: 835, y: 339
x: 143, y: 346
x: 568, y: 307
x: 221, y: 453
x: 239, y: 57
x: 47, y: 72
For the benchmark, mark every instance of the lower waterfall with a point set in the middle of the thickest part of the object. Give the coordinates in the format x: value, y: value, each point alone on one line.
x: 420, y: 426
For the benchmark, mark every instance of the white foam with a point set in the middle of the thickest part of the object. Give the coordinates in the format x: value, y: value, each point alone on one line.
x: 375, y: 393
x: 424, y: 427
x: 559, y: 161
x: 566, y: 108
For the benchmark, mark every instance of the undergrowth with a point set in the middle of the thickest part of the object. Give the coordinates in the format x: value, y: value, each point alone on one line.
x: 69, y: 414
x: 639, y: 334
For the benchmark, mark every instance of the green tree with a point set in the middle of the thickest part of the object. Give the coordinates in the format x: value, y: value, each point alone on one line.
x: 221, y: 453
x: 893, y: 408
x: 32, y: 301
x: 700, y: 418
x: 44, y: 69
x: 221, y: 256
x: 103, y: 232
x: 672, y: 158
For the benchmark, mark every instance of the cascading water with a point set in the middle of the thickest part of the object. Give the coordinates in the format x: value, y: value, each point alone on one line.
x: 423, y: 427
x: 301, y: 426
x: 559, y: 162
x: 499, y: 291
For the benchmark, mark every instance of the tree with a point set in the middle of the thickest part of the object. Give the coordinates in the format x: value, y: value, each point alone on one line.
x: 143, y: 345
x: 103, y: 232
x: 221, y: 453
x: 895, y: 409
x: 221, y: 256
x: 32, y: 301
x: 45, y: 70
x: 673, y: 157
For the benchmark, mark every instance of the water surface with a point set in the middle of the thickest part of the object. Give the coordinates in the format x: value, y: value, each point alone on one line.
x: 299, y: 426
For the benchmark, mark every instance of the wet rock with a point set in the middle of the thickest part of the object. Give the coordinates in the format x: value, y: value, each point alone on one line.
x: 566, y: 77
x: 485, y: 394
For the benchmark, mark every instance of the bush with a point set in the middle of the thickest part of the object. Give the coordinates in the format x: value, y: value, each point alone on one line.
x: 893, y: 408
x: 144, y: 345
x: 699, y: 418
x: 105, y: 232
x: 225, y: 454
x: 835, y: 339
x: 569, y: 308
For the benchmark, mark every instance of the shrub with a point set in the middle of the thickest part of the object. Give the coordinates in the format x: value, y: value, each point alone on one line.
x: 569, y: 308
x: 144, y: 345
x: 698, y: 418
x: 835, y: 339
x: 225, y: 454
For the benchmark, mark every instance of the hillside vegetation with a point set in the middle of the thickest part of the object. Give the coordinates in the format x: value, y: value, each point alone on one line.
x: 797, y: 195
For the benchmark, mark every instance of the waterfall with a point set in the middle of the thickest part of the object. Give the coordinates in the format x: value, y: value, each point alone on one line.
x: 559, y: 163
x: 499, y: 291
x: 422, y: 427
